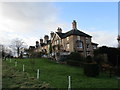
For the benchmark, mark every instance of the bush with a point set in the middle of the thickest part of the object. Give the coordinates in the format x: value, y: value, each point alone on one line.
x: 63, y: 58
x: 36, y: 54
x: 117, y: 71
x: 89, y: 59
x: 74, y: 63
x: 75, y: 59
x: 91, y: 69
x: 75, y: 56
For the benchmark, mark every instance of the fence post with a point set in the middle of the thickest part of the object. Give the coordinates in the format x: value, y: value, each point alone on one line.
x: 69, y: 86
x: 23, y: 68
x: 15, y: 63
x: 10, y: 60
x: 38, y: 73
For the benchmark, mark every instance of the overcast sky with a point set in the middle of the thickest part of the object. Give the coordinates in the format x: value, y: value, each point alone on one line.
x: 31, y: 21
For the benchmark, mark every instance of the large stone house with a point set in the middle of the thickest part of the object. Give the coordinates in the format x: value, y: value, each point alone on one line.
x: 65, y: 43
x: 118, y: 41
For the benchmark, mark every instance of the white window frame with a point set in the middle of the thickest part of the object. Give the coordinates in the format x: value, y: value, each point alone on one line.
x: 68, y: 45
x: 67, y: 38
x: 78, y: 37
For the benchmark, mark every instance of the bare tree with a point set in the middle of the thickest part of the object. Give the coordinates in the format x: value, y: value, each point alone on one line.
x: 18, y: 45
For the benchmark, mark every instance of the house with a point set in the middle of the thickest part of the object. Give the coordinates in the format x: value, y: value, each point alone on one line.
x: 118, y: 41
x: 73, y: 41
x: 64, y: 43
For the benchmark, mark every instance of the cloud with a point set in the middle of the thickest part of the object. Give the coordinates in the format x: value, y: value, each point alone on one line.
x: 26, y: 20
x: 103, y: 37
x: 22, y: 17
x: 30, y: 21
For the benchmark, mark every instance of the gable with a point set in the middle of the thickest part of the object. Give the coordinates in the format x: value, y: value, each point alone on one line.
x: 55, y: 37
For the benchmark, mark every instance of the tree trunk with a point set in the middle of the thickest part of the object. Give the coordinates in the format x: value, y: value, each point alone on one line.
x: 18, y: 51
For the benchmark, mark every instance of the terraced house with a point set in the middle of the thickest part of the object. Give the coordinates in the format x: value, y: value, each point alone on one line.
x: 64, y: 43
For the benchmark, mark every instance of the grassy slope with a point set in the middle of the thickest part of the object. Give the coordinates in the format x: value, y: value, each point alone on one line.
x: 56, y: 74
x: 13, y: 78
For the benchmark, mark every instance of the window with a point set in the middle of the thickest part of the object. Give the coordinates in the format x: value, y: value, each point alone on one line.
x: 57, y: 41
x: 87, y: 45
x: 80, y: 45
x: 88, y: 53
x: 78, y: 37
x: 67, y: 38
x: 87, y: 40
x: 94, y: 47
x: 68, y: 46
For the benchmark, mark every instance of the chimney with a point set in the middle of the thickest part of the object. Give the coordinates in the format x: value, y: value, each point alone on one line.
x: 46, y: 38
x: 41, y: 41
x: 74, y: 24
x: 37, y: 44
x: 118, y: 41
x: 59, y: 30
x: 51, y: 34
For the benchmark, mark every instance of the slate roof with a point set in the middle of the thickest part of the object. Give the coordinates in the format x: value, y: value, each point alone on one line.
x: 31, y: 47
x: 94, y: 43
x: 72, y: 32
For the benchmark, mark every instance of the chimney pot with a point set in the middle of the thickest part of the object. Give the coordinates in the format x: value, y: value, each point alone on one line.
x: 74, y: 24
x: 59, y: 30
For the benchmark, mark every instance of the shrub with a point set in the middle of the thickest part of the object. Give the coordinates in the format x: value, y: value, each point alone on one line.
x: 117, y: 71
x: 75, y: 56
x: 89, y: 59
x: 74, y: 63
x: 63, y: 58
x: 75, y: 59
x: 91, y: 69
x: 36, y: 54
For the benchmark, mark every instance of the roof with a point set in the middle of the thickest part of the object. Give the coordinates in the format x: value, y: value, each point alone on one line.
x: 94, y: 43
x: 72, y: 32
x: 61, y: 35
x: 31, y: 47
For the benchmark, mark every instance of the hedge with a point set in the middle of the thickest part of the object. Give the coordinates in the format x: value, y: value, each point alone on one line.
x: 91, y: 69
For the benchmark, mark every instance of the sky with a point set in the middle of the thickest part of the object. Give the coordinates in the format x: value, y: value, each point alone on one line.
x: 30, y: 21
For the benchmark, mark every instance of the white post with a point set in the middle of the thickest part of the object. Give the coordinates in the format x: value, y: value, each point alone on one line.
x: 37, y: 73
x: 69, y: 86
x: 23, y: 68
x: 15, y: 63
x: 10, y: 60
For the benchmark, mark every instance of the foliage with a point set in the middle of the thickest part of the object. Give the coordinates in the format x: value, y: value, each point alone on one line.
x: 63, y: 57
x: 99, y: 59
x: 18, y: 44
x: 91, y: 69
x: 75, y: 59
x: 112, y: 53
x: 89, y: 59
x: 36, y: 54
x: 75, y: 56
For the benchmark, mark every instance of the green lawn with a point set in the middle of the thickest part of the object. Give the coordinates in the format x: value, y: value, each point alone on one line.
x: 57, y: 74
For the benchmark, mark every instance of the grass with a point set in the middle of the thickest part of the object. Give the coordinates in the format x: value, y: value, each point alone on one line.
x: 13, y: 78
x: 57, y: 74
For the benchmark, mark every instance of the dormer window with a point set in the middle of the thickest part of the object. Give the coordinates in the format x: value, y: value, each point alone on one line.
x: 87, y: 40
x: 78, y: 37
